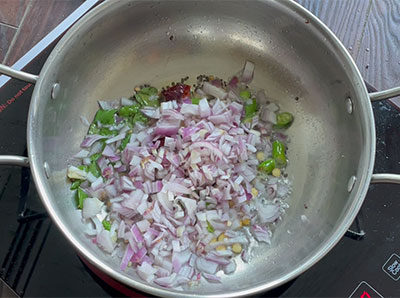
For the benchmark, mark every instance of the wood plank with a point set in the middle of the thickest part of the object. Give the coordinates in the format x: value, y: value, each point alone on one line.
x: 42, y: 17
x: 345, y: 18
x: 379, y: 57
x: 12, y: 11
x: 6, y: 35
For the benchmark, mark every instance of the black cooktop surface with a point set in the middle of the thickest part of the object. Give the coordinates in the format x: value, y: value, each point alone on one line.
x: 36, y: 260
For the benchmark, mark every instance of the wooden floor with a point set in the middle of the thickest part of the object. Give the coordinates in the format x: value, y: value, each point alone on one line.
x: 370, y: 29
x: 25, y: 22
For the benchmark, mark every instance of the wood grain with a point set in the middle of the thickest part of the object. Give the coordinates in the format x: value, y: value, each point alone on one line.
x: 379, y: 57
x: 346, y: 18
x: 42, y: 17
x: 6, y: 35
x: 12, y: 11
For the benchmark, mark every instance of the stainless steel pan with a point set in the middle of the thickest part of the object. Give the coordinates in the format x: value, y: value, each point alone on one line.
x: 120, y: 44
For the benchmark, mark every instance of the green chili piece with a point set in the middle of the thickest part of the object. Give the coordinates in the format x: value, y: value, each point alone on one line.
x: 93, y: 129
x: 149, y: 91
x: 195, y: 100
x: 95, y: 156
x: 146, y: 100
x: 245, y: 94
x: 104, y: 131
x: 128, y: 110
x: 83, y: 168
x: 105, y: 116
x: 153, y: 103
x: 80, y: 197
x: 94, y: 169
x: 278, y: 153
x: 210, y: 228
x: 142, y: 99
x: 140, y: 117
x: 267, y: 166
x: 106, y: 225
x: 250, y: 110
x: 76, y: 184
x: 284, y: 120
x: 125, y: 142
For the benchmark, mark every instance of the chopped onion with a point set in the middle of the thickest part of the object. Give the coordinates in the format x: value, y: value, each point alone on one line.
x: 261, y: 234
x: 126, y: 102
x: 75, y: 173
x: 230, y: 268
x: 151, y: 112
x: 248, y: 72
x: 82, y: 154
x: 91, y: 207
x: 214, y: 91
x: 190, y: 109
x: 104, y: 241
x: 206, y: 266
x: 204, y: 108
x: 167, y: 127
x: 181, y: 186
x: 268, y: 213
x: 90, y: 140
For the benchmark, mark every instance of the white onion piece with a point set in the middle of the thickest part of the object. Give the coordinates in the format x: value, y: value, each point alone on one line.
x: 211, y: 277
x: 116, y: 138
x: 214, y: 91
x: 91, y: 207
x: 304, y: 219
x: 248, y: 72
x: 261, y: 234
x: 272, y: 107
x: 206, y: 266
x: 230, y: 268
x: 151, y: 112
x: 204, y: 108
x: 166, y: 106
x: 96, y: 184
x: 90, y: 140
x: 82, y: 154
x: 190, y: 109
x: 126, y: 102
x: 75, y: 173
x: 104, y: 241
x: 268, y: 115
x: 268, y: 213
x: 146, y: 271
x: 177, y: 188
x: 109, y: 105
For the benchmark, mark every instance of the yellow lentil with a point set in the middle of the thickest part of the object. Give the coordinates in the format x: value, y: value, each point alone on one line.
x: 221, y: 237
x: 254, y: 192
x: 237, y: 248
x: 276, y: 172
x: 260, y: 156
x: 245, y: 222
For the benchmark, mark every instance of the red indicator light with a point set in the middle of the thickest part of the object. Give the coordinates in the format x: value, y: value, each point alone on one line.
x: 365, y: 295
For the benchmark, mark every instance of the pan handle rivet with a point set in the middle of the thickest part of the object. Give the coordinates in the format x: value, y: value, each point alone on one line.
x: 352, y: 182
x: 55, y: 90
x: 349, y: 105
x: 46, y: 168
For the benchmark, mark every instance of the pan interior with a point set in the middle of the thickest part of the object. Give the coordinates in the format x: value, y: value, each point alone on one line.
x: 128, y: 43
